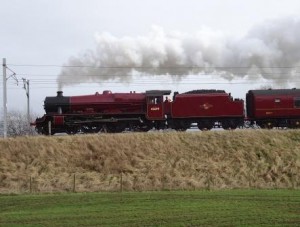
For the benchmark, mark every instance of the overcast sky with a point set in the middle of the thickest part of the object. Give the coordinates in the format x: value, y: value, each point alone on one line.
x: 35, y: 33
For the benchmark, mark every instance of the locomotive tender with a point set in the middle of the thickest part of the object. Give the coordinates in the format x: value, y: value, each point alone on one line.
x: 118, y: 112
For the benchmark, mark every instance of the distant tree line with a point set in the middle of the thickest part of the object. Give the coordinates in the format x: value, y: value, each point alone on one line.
x: 17, y: 124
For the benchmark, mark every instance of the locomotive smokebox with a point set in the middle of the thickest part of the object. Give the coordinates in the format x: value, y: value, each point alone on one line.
x: 59, y: 93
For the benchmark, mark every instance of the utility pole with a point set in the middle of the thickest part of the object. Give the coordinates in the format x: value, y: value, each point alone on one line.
x: 5, y: 78
x: 26, y: 88
x: 4, y: 100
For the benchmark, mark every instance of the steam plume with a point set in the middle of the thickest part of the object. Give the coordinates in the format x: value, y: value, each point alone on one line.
x: 270, y: 50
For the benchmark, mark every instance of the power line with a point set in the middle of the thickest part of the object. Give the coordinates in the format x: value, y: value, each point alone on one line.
x: 151, y: 67
x: 164, y: 80
x: 139, y: 85
x: 116, y: 75
x: 182, y: 80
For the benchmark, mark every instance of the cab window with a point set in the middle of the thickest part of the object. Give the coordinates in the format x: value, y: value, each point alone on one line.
x: 155, y: 100
x: 297, y: 102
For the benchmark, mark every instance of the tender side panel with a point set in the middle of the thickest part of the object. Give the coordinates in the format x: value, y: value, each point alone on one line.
x: 206, y: 105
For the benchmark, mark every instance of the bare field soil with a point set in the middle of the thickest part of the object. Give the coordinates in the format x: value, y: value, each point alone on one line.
x: 151, y: 161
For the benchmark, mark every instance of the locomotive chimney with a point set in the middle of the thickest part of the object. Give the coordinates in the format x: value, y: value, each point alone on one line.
x: 59, y: 93
x: 59, y: 109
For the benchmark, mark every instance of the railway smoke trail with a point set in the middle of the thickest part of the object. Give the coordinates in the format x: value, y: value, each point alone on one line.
x: 270, y: 51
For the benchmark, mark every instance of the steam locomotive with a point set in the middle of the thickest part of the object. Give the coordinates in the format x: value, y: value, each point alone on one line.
x: 206, y: 109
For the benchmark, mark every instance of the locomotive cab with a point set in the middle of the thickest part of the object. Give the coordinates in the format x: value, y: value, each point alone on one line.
x: 155, y: 104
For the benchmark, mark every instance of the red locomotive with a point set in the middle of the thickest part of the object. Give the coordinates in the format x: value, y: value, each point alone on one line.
x: 118, y: 112
x: 110, y: 112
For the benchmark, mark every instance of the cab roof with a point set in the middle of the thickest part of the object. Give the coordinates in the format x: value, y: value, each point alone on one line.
x: 157, y: 92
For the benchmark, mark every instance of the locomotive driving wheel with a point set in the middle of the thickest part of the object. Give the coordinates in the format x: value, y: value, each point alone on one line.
x: 90, y: 129
x: 115, y: 127
x: 71, y: 130
x: 145, y: 128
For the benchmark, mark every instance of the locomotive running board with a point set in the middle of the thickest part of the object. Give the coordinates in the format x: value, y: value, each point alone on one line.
x: 110, y: 120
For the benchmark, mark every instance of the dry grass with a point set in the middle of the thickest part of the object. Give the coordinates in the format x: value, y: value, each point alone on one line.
x: 152, y: 161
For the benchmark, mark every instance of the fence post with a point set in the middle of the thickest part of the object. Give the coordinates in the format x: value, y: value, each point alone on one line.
x: 30, y: 184
x: 121, y: 182
x: 74, y: 183
x: 249, y: 180
x: 208, y: 180
x: 293, y: 182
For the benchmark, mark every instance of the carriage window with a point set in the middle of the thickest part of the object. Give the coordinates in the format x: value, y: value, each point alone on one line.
x: 297, y: 102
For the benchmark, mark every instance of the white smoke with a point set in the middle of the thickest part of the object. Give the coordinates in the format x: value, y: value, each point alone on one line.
x: 270, y: 51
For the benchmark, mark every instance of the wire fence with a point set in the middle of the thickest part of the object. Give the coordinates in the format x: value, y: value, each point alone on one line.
x: 120, y: 182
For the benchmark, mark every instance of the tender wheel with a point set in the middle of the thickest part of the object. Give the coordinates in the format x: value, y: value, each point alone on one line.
x: 229, y: 124
x: 205, y: 125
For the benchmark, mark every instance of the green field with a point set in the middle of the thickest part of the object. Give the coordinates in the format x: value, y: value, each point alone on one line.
x: 168, y: 208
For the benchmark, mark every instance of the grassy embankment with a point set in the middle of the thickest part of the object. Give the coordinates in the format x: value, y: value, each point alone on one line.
x: 180, y: 208
x: 151, y: 161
